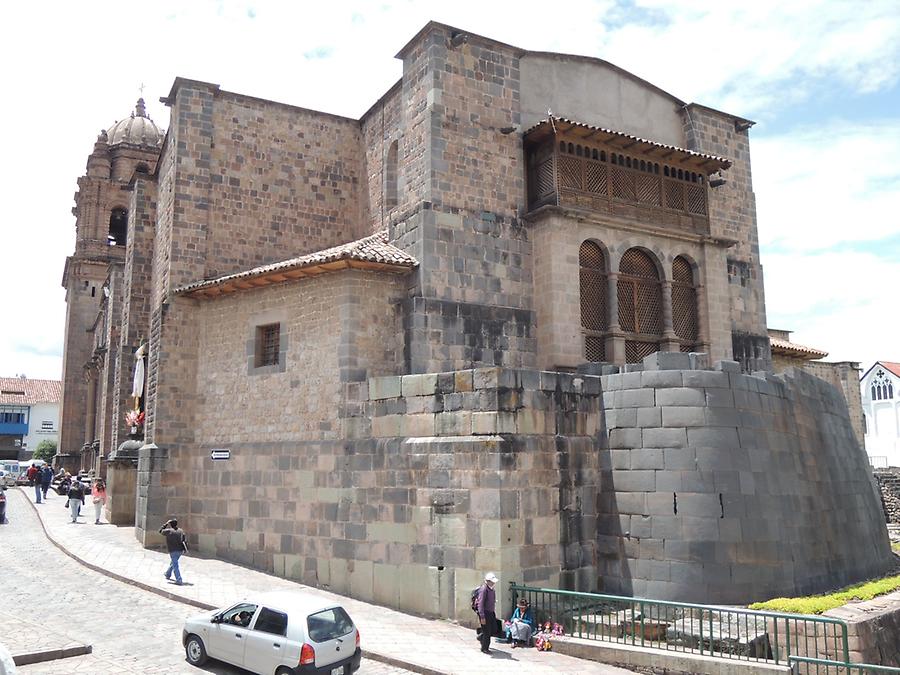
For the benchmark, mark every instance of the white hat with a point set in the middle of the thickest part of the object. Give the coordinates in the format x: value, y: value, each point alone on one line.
x: 490, y: 576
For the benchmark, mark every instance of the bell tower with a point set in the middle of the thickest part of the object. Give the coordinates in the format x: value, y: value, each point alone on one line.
x: 101, y: 234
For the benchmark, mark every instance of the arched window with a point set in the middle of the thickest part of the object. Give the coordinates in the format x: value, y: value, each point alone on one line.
x: 594, y: 305
x: 640, y: 304
x: 882, y: 387
x: 118, y: 227
x: 390, y: 177
x: 685, y: 317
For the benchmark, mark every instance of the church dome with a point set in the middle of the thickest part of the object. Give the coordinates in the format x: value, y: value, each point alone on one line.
x: 136, y: 130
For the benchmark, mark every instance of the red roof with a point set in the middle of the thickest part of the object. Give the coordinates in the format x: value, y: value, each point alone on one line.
x: 893, y: 367
x: 16, y: 390
x: 890, y: 366
x: 372, y: 252
x: 788, y: 348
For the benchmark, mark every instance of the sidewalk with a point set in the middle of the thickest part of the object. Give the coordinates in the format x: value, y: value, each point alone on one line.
x: 29, y: 643
x: 421, y: 645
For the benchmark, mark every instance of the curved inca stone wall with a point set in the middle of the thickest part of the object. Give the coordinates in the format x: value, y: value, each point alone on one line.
x: 729, y: 488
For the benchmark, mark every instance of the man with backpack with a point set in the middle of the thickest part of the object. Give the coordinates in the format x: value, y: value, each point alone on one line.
x: 484, y: 604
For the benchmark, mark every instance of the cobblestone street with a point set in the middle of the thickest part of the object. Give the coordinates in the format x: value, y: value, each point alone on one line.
x: 51, y: 600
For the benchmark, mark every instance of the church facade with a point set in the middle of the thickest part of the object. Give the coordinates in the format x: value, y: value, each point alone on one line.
x: 495, y: 323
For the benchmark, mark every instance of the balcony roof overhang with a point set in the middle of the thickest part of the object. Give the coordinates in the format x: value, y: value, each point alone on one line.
x: 620, y: 141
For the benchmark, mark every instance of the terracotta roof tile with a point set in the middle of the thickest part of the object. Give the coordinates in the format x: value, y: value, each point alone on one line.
x: 372, y: 249
x: 15, y: 390
x: 891, y: 366
x: 564, y: 124
x: 793, y: 349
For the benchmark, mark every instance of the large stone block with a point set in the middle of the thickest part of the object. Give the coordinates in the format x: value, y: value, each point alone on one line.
x: 680, y: 396
x: 664, y: 438
x: 384, y: 387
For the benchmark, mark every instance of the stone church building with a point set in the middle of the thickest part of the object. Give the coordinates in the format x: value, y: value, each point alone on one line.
x: 500, y: 322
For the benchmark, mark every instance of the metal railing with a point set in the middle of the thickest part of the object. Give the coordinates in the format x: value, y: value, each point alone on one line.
x: 839, y: 666
x: 710, y: 630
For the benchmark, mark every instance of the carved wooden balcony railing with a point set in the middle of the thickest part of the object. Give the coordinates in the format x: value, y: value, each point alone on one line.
x: 607, y: 181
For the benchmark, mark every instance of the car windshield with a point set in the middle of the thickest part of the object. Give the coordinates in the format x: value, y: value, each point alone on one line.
x: 328, y: 624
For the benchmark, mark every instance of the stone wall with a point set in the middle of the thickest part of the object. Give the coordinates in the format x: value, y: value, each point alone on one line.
x: 381, y: 126
x: 462, y: 472
x: 464, y: 187
x: 732, y: 215
x: 335, y: 328
x: 889, y: 484
x: 281, y: 181
x: 728, y: 488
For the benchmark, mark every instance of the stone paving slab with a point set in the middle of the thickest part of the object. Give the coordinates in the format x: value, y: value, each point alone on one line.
x: 29, y: 642
x: 421, y: 645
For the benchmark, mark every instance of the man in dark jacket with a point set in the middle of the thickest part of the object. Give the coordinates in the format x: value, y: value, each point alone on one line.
x: 487, y: 600
x: 46, y: 479
x: 176, y: 543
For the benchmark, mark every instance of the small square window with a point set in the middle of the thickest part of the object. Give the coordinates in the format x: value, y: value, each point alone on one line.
x: 268, y: 345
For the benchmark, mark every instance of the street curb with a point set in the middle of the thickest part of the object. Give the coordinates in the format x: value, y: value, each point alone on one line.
x: 368, y: 653
x: 27, y: 658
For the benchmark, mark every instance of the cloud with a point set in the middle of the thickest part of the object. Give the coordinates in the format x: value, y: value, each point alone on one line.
x: 749, y: 58
x: 318, y: 53
x: 844, y: 303
x: 829, y: 185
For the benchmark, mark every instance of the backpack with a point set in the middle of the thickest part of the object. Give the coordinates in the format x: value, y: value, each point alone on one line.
x: 473, y: 601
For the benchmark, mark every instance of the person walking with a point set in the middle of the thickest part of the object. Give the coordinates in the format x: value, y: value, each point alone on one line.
x: 34, y: 478
x: 98, y: 494
x: 76, y: 499
x: 176, y: 543
x: 487, y: 599
x: 46, y: 479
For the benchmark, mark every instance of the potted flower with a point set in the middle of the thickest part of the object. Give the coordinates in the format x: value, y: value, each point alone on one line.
x: 135, y: 420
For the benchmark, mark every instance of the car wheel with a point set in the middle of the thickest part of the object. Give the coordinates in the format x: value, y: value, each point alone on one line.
x: 195, y: 651
x: 284, y: 670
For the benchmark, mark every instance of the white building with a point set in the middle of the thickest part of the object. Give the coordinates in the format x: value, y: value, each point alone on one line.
x: 881, y: 409
x: 29, y: 414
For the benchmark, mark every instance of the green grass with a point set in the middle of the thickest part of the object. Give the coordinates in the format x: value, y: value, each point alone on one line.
x: 816, y: 604
x: 896, y: 546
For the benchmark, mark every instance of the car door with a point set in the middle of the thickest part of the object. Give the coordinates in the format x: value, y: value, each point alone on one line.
x: 332, y: 634
x: 228, y: 637
x: 266, y: 642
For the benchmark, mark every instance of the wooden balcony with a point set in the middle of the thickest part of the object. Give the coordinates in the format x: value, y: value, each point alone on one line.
x: 607, y: 181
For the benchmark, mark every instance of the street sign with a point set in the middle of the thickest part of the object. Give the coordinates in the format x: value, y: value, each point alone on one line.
x: 219, y: 453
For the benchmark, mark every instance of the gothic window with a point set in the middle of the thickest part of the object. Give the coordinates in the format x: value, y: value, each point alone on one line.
x: 390, y: 177
x: 118, y: 227
x: 640, y: 304
x: 882, y: 387
x: 685, y: 316
x: 594, y: 305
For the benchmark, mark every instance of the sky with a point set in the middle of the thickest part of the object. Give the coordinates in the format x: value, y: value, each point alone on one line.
x: 821, y: 79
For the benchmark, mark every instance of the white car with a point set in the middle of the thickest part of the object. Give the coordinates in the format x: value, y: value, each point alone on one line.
x: 276, y: 634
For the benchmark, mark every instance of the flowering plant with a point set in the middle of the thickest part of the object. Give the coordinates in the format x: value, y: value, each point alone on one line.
x: 134, y: 418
